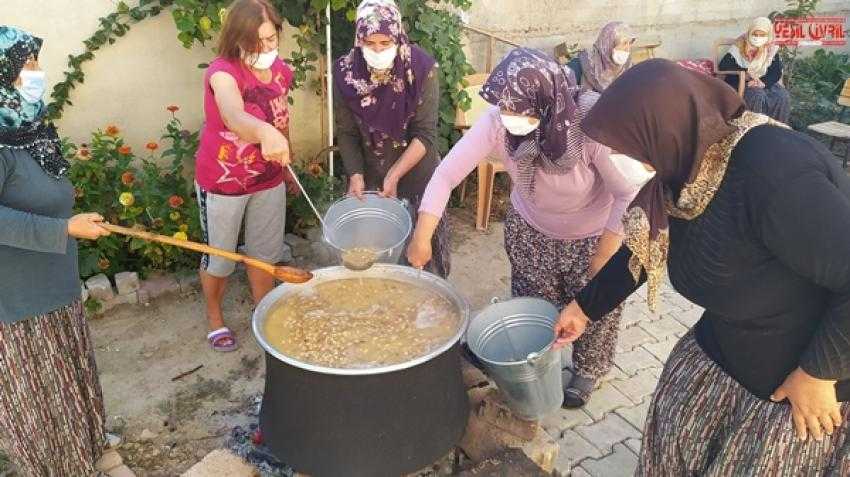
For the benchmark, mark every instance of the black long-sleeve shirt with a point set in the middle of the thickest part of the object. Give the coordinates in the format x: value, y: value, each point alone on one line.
x: 769, y: 260
x: 771, y: 76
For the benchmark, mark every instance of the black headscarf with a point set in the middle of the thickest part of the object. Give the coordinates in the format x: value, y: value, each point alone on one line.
x: 668, y: 117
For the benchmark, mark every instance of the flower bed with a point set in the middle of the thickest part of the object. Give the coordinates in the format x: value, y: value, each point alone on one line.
x: 150, y: 191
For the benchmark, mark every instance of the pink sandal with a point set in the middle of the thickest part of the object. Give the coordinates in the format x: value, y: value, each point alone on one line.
x: 222, y: 340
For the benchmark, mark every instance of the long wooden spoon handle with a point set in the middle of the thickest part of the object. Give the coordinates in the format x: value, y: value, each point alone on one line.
x: 284, y: 274
x: 187, y: 244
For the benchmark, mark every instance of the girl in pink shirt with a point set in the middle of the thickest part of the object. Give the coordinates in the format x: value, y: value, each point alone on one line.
x: 244, y: 149
x: 567, y: 201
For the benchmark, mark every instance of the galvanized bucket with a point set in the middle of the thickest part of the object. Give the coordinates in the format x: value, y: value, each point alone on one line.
x: 380, y: 223
x: 514, y: 339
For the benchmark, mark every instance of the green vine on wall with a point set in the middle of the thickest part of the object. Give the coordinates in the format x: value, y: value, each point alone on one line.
x: 112, y: 26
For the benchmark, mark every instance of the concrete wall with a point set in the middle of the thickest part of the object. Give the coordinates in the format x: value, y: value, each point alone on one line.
x: 686, y: 28
x: 130, y: 83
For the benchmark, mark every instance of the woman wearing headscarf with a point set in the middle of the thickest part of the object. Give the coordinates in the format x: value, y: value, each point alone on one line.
x: 567, y: 202
x: 755, y: 53
x: 751, y: 221
x: 51, y: 405
x: 387, y: 117
x: 597, y: 67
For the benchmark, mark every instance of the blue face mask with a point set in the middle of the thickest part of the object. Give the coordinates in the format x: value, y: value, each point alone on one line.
x: 33, y: 85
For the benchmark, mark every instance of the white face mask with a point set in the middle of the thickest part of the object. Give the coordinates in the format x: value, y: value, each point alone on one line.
x: 631, y: 169
x: 519, y: 125
x: 758, y: 41
x: 620, y: 57
x: 262, y: 61
x: 33, y: 85
x: 380, y: 61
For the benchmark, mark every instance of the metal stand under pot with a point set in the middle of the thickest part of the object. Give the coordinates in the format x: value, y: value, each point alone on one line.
x: 364, y: 422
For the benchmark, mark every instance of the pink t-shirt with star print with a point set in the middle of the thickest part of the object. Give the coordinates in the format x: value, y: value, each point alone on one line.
x: 224, y: 163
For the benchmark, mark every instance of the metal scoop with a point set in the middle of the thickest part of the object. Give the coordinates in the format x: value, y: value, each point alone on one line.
x: 359, y: 258
x: 306, y: 196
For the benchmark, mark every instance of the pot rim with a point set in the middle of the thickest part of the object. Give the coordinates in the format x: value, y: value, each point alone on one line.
x: 378, y: 270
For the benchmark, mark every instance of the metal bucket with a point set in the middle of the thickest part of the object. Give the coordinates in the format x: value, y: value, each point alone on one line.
x: 382, y: 224
x: 514, y: 340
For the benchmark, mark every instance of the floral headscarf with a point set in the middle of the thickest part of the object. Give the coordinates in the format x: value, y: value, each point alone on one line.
x: 22, y: 123
x: 383, y: 107
x: 530, y: 83
x: 597, y: 66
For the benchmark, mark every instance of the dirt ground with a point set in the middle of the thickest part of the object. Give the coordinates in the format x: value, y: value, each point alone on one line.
x: 170, y: 425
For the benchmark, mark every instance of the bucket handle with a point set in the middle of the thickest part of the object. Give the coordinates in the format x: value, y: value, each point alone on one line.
x: 533, y: 358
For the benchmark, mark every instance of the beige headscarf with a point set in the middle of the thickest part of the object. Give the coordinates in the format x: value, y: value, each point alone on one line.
x: 758, y: 65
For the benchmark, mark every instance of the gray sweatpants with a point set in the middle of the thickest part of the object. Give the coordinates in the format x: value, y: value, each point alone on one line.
x: 222, y: 216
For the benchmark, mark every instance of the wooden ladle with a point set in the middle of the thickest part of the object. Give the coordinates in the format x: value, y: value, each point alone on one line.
x: 284, y: 274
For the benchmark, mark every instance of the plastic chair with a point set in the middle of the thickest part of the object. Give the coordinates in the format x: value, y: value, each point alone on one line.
x: 488, y: 168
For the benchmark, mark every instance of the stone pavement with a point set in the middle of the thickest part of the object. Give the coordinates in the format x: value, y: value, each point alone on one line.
x: 604, y: 438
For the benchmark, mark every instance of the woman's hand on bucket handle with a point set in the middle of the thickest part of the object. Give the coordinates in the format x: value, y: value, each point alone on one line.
x: 419, y: 250
x: 814, y: 404
x: 419, y: 253
x: 356, y: 185
x: 571, y: 324
x: 390, y: 188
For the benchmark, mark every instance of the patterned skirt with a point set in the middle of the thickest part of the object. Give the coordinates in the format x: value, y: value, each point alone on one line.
x: 702, y: 422
x: 556, y: 270
x: 51, y: 406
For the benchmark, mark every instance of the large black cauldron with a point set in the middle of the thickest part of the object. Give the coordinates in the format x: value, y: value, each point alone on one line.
x: 363, y: 422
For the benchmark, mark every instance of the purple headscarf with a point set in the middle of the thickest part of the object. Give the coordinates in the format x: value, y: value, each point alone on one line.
x: 383, y: 109
x: 531, y: 83
x: 597, y: 66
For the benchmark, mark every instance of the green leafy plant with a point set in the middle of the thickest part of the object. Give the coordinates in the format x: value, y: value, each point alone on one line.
x: 817, y: 80
x: 138, y: 191
x: 322, y: 188
x: 135, y: 191
x: 788, y: 54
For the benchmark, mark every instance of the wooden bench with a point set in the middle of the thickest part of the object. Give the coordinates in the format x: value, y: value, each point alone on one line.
x: 838, y: 130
